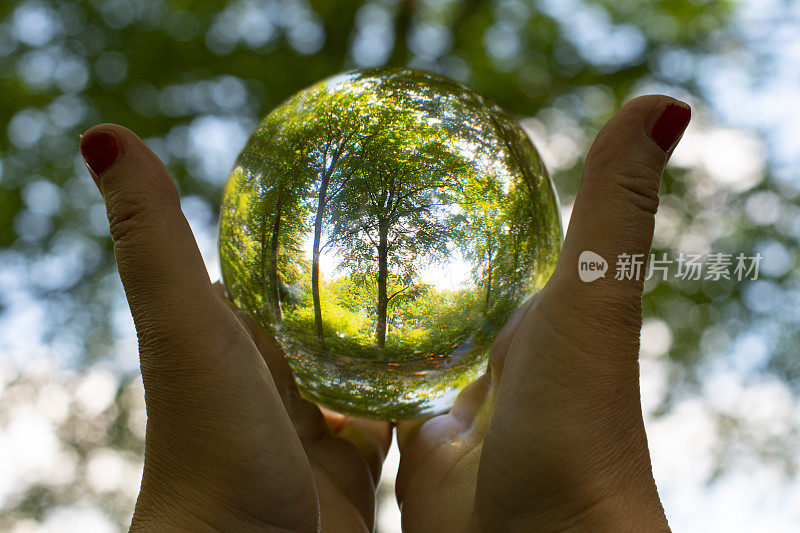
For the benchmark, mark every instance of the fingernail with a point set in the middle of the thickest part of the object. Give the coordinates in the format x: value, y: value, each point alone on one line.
x: 670, y: 125
x: 100, y: 150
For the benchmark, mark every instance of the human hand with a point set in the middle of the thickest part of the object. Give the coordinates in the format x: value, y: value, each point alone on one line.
x: 230, y: 444
x: 552, y: 437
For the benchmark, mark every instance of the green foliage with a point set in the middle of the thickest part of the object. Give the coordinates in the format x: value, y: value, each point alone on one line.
x: 163, y: 68
x: 397, y: 180
x: 392, y: 172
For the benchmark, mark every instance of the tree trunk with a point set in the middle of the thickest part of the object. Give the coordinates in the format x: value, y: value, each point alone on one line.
x: 321, y: 204
x: 383, y: 278
x: 273, y: 270
x: 529, y: 178
x: 403, y: 20
x: 489, y: 269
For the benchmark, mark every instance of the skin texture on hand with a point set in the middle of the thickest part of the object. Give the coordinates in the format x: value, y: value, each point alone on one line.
x: 552, y: 438
x: 230, y: 445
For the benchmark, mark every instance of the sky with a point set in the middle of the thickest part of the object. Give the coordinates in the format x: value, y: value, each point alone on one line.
x: 751, y: 122
x: 746, y: 126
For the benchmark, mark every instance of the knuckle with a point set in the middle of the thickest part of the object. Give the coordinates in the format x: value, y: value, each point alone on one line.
x: 639, y: 182
x: 180, y: 354
x: 636, y: 175
x: 128, y: 215
x: 609, y: 312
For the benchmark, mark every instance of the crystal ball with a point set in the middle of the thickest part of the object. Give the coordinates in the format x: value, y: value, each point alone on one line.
x: 383, y: 225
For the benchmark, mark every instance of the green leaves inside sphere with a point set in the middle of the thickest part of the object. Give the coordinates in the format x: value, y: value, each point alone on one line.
x: 384, y: 225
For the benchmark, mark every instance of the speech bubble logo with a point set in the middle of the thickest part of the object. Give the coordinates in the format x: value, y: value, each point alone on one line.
x: 591, y: 266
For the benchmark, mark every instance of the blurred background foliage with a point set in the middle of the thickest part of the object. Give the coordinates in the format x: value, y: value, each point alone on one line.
x: 193, y: 77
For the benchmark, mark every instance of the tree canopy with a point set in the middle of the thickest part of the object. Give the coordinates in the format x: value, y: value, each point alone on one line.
x: 194, y: 77
x: 415, y: 195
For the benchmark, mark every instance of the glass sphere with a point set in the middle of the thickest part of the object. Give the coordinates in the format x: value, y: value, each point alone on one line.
x: 383, y: 225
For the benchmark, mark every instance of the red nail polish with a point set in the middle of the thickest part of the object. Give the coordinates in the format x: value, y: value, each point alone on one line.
x: 100, y: 150
x: 669, y: 126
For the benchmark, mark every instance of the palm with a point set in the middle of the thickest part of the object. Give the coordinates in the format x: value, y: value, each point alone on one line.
x: 250, y: 446
x: 345, y: 454
x: 230, y: 444
x: 436, y: 479
x: 436, y: 482
x: 552, y: 438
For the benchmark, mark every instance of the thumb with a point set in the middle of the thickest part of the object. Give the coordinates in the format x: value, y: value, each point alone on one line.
x: 567, y: 430
x: 158, y: 259
x: 614, y: 211
x: 216, y: 428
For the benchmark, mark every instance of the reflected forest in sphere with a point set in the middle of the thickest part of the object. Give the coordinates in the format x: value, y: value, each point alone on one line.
x: 384, y: 225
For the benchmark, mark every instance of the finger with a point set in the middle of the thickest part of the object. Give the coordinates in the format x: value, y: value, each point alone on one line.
x: 219, y: 288
x: 569, y: 423
x: 333, y: 419
x: 209, y: 397
x: 371, y: 438
x: 278, y: 365
x: 473, y: 398
x: 308, y: 421
x: 435, y: 431
x: 613, y: 217
x: 349, y: 464
x: 450, y: 436
x: 617, y: 201
x: 306, y: 416
x: 157, y: 256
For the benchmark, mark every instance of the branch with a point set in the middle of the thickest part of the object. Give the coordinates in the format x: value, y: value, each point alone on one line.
x: 366, y: 232
x: 343, y: 182
x: 396, y: 293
